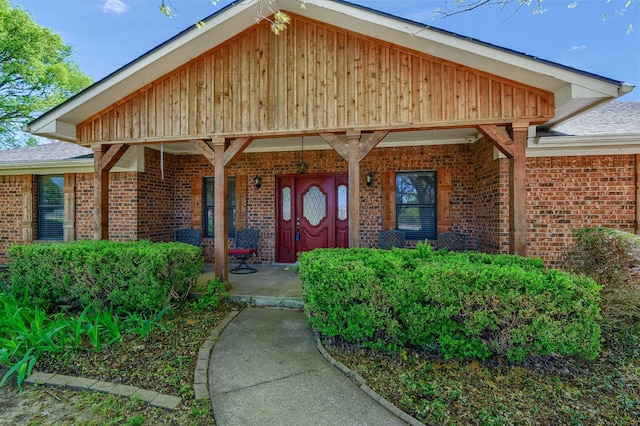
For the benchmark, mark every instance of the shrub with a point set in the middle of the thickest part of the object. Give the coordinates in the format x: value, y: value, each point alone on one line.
x: 612, y: 258
x: 133, y: 276
x: 464, y: 304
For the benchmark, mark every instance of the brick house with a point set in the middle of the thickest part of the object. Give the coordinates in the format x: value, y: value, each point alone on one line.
x: 399, y: 126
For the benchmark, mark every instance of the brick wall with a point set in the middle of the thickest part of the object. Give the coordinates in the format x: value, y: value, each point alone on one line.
x: 11, y: 216
x: 489, y: 223
x: 572, y: 192
x: 155, y: 197
x: 562, y: 193
x: 84, y: 206
x: 261, y: 209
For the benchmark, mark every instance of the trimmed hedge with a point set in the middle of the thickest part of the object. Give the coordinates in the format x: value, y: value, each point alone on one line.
x: 464, y: 304
x: 135, y: 276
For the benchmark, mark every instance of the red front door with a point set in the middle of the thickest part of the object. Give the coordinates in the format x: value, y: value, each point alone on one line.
x: 312, y: 213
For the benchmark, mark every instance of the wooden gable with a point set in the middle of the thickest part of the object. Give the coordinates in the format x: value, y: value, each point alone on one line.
x: 312, y: 77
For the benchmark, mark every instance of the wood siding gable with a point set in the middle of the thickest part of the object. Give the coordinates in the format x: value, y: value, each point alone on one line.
x: 312, y: 77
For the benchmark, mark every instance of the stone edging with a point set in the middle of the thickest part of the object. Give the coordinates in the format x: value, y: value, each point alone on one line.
x: 156, y: 399
x: 201, y: 373
x: 362, y: 384
x: 168, y: 402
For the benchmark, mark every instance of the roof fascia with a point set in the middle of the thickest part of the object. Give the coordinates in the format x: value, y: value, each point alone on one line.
x: 553, y: 146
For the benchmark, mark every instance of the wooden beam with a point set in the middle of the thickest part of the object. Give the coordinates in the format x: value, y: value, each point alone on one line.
x: 517, y: 189
x: 498, y: 138
x: 112, y: 155
x: 236, y: 148
x: 221, y: 243
x: 374, y: 139
x: 340, y: 146
x: 353, y: 202
x: 204, y: 149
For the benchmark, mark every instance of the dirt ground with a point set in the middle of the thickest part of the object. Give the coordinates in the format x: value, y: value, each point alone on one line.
x: 41, y: 406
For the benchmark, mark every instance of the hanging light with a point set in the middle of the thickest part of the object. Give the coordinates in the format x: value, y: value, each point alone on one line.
x: 302, y: 167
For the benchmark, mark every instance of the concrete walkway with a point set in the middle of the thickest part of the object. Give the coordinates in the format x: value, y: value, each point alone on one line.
x: 265, y: 369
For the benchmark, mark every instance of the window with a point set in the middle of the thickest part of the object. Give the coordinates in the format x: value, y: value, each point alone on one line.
x: 209, y: 216
x: 50, y: 208
x: 416, y: 204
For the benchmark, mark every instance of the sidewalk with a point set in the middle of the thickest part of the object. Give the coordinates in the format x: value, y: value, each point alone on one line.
x: 265, y: 369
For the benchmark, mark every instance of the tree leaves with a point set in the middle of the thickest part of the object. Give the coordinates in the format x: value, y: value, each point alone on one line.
x: 36, y: 73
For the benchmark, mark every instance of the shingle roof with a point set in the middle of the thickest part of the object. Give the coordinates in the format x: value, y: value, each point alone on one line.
x: 613, y: 118
x: 54, y: 151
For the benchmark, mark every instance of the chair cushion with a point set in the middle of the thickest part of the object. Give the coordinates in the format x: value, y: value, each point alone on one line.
x: 241, y: 251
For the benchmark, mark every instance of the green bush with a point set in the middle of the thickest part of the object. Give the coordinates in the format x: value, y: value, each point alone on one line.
x: 465, y: 304
x: 612, y: 258
x: 133, y: 276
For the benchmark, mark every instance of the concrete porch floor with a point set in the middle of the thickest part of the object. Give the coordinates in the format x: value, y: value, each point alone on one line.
x: 273, y: 285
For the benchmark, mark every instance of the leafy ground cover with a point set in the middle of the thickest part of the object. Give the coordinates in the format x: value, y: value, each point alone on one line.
x: 164, y: 361
x: 540, y: 391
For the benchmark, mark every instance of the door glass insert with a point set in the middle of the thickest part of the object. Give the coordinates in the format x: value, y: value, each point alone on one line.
x: 315, y: 205
x: 342, y: 202
x: 286, y: 203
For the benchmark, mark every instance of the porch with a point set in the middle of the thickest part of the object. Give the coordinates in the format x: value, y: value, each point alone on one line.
x: 273, y: 285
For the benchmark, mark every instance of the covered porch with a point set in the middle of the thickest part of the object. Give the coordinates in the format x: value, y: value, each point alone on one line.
x: 372, y: 95
x: 273, y: 285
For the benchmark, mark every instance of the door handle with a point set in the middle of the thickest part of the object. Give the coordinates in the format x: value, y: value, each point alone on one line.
x: 297, y: 229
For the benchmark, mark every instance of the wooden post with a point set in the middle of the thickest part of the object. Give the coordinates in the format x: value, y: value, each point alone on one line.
x: 69, y: 206
x: 353, y: 202
x: 220, y: 210
x: 27, y: 208
x: 388, y: 200
x: 517, y: 189
x: 103, y: 160
x: 445, y: 188
x: 99, y: 196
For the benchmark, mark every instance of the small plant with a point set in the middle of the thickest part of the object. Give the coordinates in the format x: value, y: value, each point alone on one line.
x: 141, y: 325
x: 214, y: 293
x: 611, y: 258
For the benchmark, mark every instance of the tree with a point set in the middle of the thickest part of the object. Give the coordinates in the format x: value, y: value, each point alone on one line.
x: 619, y: 8
x: 36, y: 74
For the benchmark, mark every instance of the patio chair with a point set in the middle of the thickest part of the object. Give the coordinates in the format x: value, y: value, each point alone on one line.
x: 188, y: 236
x: 246, y: 248
x: 454, y: 241
x: 392, y: 238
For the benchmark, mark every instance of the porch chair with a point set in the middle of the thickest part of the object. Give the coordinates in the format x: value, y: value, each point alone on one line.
x: 188, y: 236
x: 454, y: 241
x: 392, y: 238
x: 246, y: 247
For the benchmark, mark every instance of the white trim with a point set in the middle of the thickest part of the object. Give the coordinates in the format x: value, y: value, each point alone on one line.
x: 555, y: 146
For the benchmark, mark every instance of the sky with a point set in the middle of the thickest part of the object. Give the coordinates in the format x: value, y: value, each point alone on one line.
x: 584, y: 34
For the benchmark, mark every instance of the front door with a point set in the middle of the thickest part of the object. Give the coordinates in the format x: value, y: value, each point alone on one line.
x: 312, y: 213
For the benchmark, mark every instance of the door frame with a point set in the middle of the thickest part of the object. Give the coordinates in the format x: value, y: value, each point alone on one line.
x: 285, y: 232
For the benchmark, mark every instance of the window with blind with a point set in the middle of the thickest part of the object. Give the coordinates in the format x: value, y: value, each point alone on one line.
x: 50, y: 207
x: 416, y: 205
x: 209, y: 216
